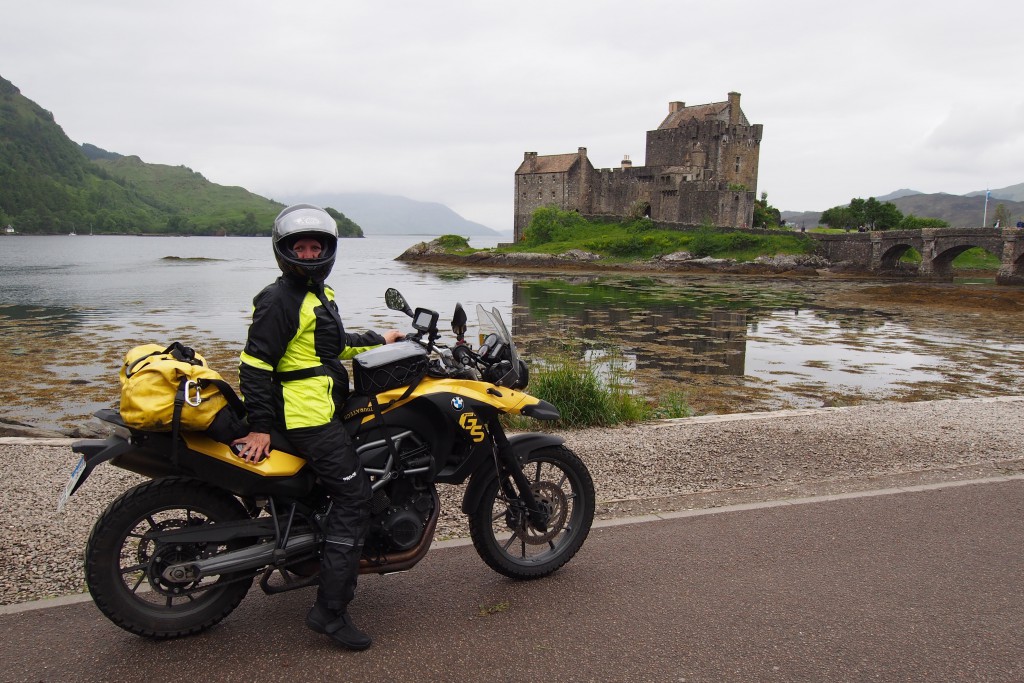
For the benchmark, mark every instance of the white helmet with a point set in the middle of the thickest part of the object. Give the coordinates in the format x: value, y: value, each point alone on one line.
x: 302, y: 221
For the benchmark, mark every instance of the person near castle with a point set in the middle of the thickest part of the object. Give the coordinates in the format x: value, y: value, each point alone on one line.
x: 293, y: 380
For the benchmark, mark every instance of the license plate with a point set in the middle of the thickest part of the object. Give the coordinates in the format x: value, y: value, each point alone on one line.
x: 76, y: 474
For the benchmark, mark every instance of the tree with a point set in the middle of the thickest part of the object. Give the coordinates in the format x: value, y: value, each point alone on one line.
x: 839, y: 217
x: 869, y: 212
x: 881, y: 216
x: 766, y: 215
x: 912, y: 222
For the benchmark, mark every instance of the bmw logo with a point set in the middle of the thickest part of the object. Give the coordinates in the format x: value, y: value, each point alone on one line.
x: 458, y: 403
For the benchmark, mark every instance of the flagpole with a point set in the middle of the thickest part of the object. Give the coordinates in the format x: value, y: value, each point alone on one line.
x: 984, y: 218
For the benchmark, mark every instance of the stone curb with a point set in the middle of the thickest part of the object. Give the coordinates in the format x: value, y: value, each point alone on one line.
x: 670, y: 422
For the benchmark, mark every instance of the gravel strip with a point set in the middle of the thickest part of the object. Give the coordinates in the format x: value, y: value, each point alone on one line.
x: 672, y: 465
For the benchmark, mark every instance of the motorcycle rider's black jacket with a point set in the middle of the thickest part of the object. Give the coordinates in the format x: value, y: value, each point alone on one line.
x: 290, y: 373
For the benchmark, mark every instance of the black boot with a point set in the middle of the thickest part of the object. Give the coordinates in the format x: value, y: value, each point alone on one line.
x: 337, y: 625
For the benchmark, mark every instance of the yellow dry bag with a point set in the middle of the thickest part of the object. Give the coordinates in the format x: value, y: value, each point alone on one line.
x: 169, y: 388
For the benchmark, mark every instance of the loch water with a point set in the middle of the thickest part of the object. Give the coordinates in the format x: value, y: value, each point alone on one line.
x: 70, y: 306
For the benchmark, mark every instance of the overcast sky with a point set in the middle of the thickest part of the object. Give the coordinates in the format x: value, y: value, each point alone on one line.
x: 438, y: 100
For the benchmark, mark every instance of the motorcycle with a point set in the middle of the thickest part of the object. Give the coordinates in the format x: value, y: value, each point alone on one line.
x: 176, y: 554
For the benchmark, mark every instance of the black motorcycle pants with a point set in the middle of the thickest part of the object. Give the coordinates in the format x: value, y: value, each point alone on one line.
x: 330, y: 453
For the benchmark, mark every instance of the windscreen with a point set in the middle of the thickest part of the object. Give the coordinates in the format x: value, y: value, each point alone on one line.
x: 491, y: 323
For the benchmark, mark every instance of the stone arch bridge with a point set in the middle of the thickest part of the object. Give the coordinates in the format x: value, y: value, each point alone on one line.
x: 880, y: 252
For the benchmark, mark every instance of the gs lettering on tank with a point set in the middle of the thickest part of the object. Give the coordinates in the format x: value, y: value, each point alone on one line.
x: 472, y: 424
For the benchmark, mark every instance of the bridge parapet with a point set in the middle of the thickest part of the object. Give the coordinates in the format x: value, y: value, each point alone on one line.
x: 880, y: 251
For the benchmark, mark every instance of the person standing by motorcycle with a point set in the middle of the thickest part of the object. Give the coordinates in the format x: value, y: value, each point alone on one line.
x: 292, y: 379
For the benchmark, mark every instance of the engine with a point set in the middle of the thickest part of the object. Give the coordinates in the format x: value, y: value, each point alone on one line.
x: 398, y: 517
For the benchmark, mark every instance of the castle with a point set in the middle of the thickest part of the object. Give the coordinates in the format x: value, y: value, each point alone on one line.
x: 701, y: 167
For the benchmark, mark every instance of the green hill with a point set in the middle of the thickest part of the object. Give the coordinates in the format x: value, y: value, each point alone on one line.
x: 48, y: 185
x: 51, y: 185
x: 195, y: 204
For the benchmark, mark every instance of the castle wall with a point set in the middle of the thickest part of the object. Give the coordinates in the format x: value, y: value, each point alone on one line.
x: 708, y: 150
x: 698, y: 171
x: 566, y: 186
x: 534, y: 191
x: 672, y: 198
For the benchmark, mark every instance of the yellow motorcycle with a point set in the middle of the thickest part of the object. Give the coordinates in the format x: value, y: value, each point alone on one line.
x: 176, y: 554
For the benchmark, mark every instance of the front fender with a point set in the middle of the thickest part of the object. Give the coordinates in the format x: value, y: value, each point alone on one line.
x: 522, y: 446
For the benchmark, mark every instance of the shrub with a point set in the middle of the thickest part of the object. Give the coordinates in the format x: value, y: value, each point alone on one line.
x: 587, y: 397
x: 454, y: 242
x: 703, y: 243
x: 550, y: 224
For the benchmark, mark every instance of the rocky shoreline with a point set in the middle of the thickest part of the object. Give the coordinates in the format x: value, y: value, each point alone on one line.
x: 432, y: 253
x: 643, y: 469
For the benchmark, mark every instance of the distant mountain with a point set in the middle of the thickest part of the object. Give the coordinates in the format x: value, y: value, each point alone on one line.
x: 1014, y: 193
x: 957, y: 210
x: 383, y: 214
x: 898, y: 194
x: 797, y: 219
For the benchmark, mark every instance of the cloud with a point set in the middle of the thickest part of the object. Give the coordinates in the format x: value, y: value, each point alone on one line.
x: 439, y: 101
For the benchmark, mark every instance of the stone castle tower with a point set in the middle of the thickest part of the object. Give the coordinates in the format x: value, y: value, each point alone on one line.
x: 701, y: 167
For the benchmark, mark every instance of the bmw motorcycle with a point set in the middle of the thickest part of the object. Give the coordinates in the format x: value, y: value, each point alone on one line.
x: 177, y: 553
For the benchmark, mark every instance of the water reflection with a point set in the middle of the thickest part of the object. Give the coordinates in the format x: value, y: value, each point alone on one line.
x: 730, y: 343
x: 739, y: 344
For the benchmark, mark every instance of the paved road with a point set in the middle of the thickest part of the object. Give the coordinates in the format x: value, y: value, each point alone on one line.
x: 911, y: 586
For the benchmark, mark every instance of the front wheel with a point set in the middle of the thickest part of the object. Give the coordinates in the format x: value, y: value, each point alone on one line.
x: 124, y: 566
x: 500, y: 528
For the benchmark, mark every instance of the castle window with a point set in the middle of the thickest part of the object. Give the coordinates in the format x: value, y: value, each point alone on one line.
x: 737, y: 164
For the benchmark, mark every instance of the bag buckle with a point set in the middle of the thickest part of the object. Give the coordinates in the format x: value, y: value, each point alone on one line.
x: 192, y: 395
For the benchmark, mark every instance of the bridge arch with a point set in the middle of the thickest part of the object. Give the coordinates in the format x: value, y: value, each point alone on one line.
x: 942, y: 262
x: 890, y: 257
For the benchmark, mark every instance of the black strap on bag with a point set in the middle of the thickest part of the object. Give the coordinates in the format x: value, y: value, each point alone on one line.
x: 179, y: 402
x: 180, y: 398
x: 186, y: 354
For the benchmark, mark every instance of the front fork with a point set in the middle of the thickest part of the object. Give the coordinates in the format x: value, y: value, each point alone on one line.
x: 507, y: 464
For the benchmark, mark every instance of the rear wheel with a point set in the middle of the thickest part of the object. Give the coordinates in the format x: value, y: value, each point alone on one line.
x: 500, y: 529
x: 124, y: 569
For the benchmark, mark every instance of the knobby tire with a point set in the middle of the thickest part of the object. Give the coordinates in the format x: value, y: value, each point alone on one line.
x: 557, y: 466
x: 106, y: 578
